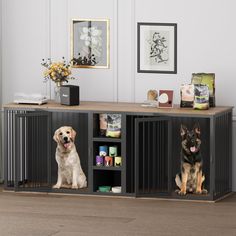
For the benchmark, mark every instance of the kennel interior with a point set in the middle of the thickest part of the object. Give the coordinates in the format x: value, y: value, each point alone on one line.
x: 30, y: 149
x: 189, y: 122
x: 153, y: 155
x: 148, y: 156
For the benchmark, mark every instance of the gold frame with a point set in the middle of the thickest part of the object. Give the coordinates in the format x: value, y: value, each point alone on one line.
x: 107, y: 44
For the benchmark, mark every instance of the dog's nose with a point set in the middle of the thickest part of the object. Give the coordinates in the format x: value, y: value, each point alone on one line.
x: 65, y: 138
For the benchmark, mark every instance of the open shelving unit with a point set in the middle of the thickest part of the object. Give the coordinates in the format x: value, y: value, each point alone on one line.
x: 106, y: 175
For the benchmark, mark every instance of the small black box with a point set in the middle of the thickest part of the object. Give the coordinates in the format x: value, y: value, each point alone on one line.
x: 69, y: 95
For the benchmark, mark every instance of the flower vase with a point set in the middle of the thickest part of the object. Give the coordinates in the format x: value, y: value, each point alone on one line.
x: 57, y: 91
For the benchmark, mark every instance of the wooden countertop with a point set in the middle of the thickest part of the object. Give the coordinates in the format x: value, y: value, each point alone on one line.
x: 121, y: 107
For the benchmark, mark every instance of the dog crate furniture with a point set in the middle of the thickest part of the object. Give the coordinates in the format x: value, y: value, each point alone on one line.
x: 149, y: 146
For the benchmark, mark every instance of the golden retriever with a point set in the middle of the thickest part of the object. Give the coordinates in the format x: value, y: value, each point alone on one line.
x: 70, y: 172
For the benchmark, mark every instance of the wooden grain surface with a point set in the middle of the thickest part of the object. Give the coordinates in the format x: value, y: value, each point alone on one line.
x: 25, y: 214
x: 122, y: 107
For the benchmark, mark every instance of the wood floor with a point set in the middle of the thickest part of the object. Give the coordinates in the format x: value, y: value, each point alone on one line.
x: 41, y: 214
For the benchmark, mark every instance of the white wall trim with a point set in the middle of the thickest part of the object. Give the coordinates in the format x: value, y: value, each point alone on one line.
x: 133, y: 49
x: 1, y: 113
x: 115, y: 50
x: 48, y: 43
x: 1, y: 24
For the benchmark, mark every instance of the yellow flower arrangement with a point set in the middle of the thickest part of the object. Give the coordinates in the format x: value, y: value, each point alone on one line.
x: 58, y: 72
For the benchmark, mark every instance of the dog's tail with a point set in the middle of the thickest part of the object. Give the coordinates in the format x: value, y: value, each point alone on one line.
x: 178, y: 181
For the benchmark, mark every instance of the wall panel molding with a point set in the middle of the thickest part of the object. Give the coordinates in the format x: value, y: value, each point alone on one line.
x: 115, y: 50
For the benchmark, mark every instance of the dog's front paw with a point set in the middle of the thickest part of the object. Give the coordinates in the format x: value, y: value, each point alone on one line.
x: 56, y: 186
x: 198, y: 191
x: 182, y: 193
x: 204, y: 191
x: 74, y: 186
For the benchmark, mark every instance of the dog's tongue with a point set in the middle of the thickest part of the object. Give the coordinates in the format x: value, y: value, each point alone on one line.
x: 192, y: 149
x: 66, y: 145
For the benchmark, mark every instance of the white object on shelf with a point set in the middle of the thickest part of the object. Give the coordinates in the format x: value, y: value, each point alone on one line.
x: 149, y: 103
x: 116, y: 189
x: 30, y: 98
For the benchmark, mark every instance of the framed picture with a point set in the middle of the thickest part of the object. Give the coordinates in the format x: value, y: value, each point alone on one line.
x: 90, y: 43
x: 165, y: 99
x: 157, y: 48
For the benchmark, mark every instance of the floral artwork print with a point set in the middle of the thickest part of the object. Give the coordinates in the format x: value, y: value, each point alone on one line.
x: 92, y: 49
x: 92, y: 40
x: 90, y: 43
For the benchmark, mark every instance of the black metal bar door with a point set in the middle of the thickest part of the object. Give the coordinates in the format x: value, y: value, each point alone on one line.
x: 152, y: 156
x: 32, y: 151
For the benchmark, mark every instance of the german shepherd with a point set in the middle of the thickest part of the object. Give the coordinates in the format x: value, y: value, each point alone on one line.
x: 191, y: 177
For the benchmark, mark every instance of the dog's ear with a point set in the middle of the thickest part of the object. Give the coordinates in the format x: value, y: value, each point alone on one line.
x: 55, y: 136
x: 196, y: 129
x: 183, y: 131
x: 73, y: 134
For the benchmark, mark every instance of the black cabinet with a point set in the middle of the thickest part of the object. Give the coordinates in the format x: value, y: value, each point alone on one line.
x: 149, y: 147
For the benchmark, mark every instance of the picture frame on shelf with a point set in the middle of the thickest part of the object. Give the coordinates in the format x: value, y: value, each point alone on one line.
x: 90, y: 43
x: 165, y: 99
x: 157, y: 48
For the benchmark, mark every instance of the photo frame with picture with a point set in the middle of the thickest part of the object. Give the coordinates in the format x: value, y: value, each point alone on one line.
x: 165, y: 99
x: 90, y: 43
x: 157, y: 48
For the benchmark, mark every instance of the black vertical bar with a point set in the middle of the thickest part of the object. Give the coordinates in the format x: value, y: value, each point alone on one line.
x: 143, y: 157
x: 133, y: 160
x: 230, y: 121
x: 123, y: 152
x: 27, y: 138
x: 36, y: 164
x: 11, y: 164
x: 154, y: 155
x: 6, y: 146
x: 33, y: 152
x: 91, y: 186
x: 148, y: 156
x: 48, y: 146
x: 169, y: 164
x: 137, y: 135
x: 212, y: 157
x: 158, y: 156
x: 160, y: 167
x: 23, y: 152
x: 16, y: 163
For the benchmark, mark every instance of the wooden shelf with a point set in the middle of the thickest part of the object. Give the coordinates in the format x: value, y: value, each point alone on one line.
x: 122, y: 107
x: 105, y: 139
x: 112, y: 168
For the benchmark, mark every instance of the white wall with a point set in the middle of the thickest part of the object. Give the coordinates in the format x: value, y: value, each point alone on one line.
x: 206, y: 43
x: 38, y: 29
x: 1, y: 174
x: 25, y: 42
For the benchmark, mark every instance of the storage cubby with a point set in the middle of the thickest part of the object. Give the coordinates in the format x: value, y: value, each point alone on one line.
x: 96, y: 126
x: 106, y: 178
x: 106, y: 175
x: 108, y: 145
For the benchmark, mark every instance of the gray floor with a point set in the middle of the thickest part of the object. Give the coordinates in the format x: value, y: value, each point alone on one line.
x: 42, y: 214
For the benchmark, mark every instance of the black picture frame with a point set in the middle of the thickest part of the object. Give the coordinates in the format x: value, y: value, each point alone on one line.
x: 157, y: 48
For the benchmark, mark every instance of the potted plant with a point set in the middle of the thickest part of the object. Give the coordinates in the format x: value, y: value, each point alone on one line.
x: 58, y: 72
